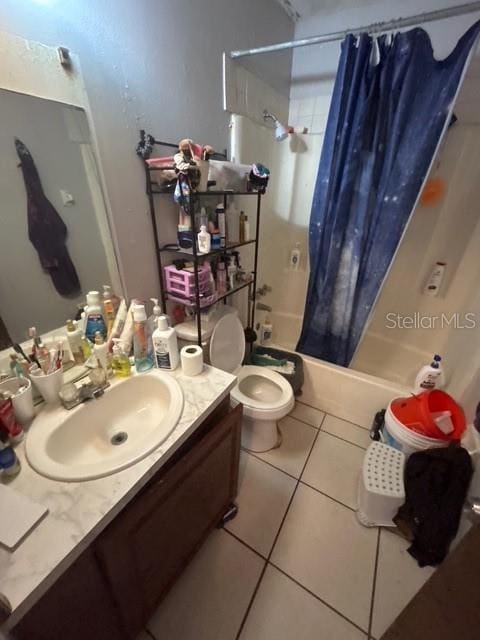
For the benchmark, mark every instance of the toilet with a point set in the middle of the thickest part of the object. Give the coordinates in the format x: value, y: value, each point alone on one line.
x: 265, y: 395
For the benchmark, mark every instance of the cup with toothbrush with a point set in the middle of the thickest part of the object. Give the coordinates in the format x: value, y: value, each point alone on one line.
x: 47, y: 375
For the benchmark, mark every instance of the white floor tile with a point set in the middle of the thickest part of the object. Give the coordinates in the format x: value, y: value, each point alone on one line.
x: 347, y: 431
x: 307, y: 414
x: 297, y: 440
x: 209, y: 600
x: 334, y: 468
x: 263, y: 497
x: 322, y: 546
x: 398, y: 580
x: 282, y: 611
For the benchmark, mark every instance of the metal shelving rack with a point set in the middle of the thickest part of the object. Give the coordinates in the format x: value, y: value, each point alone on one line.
x: 192, y: 255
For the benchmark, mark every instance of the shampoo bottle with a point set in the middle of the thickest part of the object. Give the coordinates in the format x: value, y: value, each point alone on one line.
x: 142, y: 344
x: 165, y: 345
x: 94, y: 315
x: 120, y: 362
x: 429, y: 375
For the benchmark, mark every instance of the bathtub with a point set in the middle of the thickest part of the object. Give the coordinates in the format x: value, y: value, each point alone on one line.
x: 352, y: 395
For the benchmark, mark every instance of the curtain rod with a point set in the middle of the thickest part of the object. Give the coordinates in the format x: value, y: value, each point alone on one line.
x: 378, y: 27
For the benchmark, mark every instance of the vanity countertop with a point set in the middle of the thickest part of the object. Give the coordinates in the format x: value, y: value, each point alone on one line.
x: 79, y: 511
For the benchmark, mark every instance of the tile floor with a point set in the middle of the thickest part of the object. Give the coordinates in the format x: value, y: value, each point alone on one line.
x: 295, y: 563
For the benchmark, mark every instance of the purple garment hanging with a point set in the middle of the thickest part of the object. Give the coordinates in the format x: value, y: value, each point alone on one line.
x: 46, y: 230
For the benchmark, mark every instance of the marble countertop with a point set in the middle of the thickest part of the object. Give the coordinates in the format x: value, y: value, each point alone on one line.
x: 79, y: 511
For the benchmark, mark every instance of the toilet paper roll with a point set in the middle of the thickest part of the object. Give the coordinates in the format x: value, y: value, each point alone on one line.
x: 192, y: 360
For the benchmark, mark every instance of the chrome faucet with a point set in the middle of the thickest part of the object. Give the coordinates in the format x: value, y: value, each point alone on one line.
x: 71, y: 396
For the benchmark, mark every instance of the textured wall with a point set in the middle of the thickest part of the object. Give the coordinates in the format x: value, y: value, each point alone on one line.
x: 156, y: 65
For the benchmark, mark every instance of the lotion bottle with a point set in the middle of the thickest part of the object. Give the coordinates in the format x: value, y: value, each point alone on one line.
x: 204, y: 240
x: 165, y: 346
x: 429, y: 375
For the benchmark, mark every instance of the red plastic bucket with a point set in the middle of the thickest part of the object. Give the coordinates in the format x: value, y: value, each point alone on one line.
x: 415, y: 413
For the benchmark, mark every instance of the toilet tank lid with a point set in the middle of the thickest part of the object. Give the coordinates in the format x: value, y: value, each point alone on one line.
x: 227, y: 344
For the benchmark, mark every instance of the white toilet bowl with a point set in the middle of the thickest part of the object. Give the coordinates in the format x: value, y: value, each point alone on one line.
x: 265, y: 395
x: 266, y: 398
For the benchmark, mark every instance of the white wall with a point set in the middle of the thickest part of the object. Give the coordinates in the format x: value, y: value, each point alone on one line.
x: 153, y: 65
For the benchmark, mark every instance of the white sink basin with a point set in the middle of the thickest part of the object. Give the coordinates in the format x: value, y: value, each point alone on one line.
x: 103, y: 436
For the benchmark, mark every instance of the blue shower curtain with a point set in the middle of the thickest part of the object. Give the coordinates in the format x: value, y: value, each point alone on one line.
x: 389, y: 107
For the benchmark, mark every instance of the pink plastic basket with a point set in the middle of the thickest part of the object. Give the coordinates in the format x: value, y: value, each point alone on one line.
x: 181, y: 282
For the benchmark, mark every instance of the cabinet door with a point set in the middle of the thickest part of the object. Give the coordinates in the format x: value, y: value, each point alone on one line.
x: 78, y: 606
x: 153, y: 539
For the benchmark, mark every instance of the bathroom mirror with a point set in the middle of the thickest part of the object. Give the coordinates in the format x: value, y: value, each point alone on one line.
x: 55, y: 239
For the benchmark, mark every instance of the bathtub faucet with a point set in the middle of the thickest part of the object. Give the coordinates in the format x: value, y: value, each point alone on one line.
x: 264, y: 289
x: 263, y: 307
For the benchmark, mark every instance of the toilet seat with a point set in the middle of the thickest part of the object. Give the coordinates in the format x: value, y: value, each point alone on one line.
x: 253, y: 393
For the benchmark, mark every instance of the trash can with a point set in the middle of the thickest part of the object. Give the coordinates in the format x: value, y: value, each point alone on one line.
x: 296, y: 378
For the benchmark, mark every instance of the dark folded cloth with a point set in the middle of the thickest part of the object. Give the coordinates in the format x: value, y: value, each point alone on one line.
x: 436, y: 485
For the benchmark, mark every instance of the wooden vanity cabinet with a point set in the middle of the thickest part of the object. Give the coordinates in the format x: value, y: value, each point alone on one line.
x: 141, y: 553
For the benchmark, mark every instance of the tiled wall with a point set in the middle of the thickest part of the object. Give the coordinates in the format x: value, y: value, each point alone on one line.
x: 310, y: 112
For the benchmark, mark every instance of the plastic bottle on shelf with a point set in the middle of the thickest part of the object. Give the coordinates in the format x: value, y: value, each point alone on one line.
x: 221, y: 278
x: 246, y: 230
x: 241, y: 231
x: 233, y: 223
x: 232, y: 272
x: 204, y: 240
x: 221, y: 223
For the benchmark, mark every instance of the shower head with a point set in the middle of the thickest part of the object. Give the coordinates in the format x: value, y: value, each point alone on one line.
x: 281, y: 131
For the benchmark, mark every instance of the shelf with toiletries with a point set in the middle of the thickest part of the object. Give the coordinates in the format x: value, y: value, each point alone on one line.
x: 188, y: 253
x: 205, y: 303
x: 194, y: 178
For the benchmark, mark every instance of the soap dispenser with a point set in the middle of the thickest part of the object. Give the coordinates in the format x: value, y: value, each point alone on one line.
x: 165, y: 345
x: 153, y: 319
x: 120, y: 362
